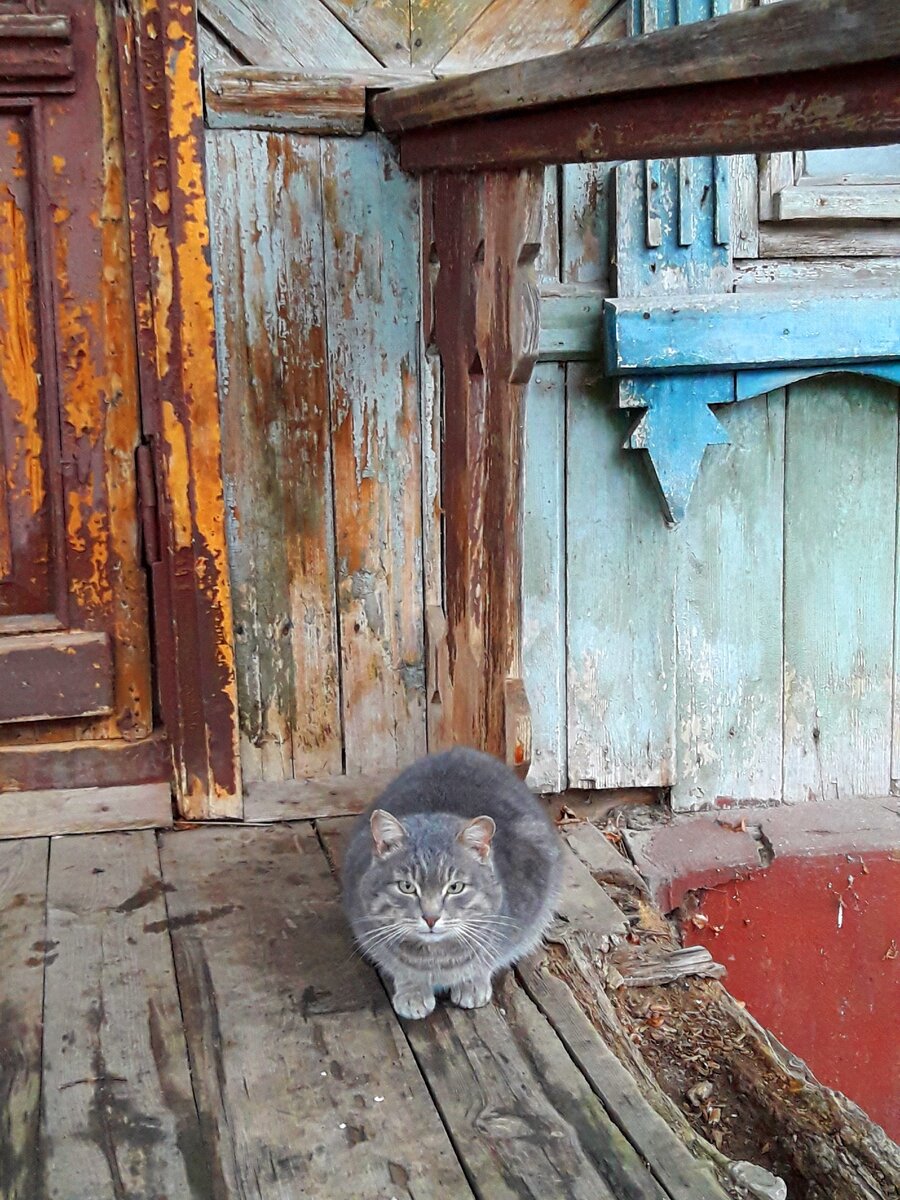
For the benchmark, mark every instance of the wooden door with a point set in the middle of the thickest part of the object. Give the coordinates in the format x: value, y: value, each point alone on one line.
x: 74, y: 635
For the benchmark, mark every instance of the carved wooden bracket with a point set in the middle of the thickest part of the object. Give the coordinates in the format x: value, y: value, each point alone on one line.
x: 482, y: 307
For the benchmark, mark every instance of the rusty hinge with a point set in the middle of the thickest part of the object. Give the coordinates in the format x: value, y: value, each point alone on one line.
x: 146, y: 482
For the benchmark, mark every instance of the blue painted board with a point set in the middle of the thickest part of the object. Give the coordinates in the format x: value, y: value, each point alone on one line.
x: 696, y: 333
x: 544, y: 602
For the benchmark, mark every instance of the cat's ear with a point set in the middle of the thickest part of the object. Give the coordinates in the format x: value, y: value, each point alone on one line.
x: 387, y: 832
x: 477, y: 836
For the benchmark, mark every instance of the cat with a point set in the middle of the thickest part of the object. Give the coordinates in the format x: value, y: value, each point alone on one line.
x: 450, y: 875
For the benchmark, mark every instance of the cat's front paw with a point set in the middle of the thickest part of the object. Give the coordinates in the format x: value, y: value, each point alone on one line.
x: 471, y: 993
x: 413, y: 1004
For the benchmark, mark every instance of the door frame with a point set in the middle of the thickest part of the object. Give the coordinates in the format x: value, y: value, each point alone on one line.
x: 179, y: 466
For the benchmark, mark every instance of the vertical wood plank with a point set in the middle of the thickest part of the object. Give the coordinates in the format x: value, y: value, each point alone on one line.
x: 304, y: 1077
x: 728, y: 615
x: 373, y: 307
x: 118, y: 1109
x: 265, y: 205
x: 840, y: 562
x: 620, y: 597
x: 23, y: 949
x: 544, y: 556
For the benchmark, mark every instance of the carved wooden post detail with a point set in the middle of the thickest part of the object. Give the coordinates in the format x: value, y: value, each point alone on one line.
x: 482, y: 235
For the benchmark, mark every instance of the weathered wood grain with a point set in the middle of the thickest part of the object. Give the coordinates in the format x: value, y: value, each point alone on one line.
x: 807, y: 35
x: 293, y: 33
x: 620, y: 597
x: 373, y: 305
x: 523, y: 1118
x: 298, y: 1062
x: 571, y: 324
x: 270, y: 279
x: 84, y: 810
x: 260, y: 98
x: 508, y: 31
x: 307, y: 799
x: 604, y: 862
x: 543, y: 575
x: 841, y: 201
x: 839, y: 574
x: 728, y: 615
x: 681, y: 1175
x: 118, y: 1110
x: 826, y: 275
x: 382, y: 26
x: 437, y: 25
x: 23, y: 893
x: 485, y: 301
x: 109, y: 763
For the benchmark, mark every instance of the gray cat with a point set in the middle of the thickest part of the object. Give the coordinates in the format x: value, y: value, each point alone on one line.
x: 450, y: 875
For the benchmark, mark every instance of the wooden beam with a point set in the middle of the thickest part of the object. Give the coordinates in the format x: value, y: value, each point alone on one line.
x: 481, y: 236
x: 854, y: 105
x: 702, y: 333
x: 263, y: 98
x: 781, y: 39
x: 85, y: 810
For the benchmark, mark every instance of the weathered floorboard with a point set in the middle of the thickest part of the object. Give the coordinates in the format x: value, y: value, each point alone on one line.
x: 307, y: 799
x: 23, y: 942
x: 299, y: 1064
x: 85, y: 810
x: 839, y: 568
x: 118, y: 1110
x: 728, y: 615
x: 524, y: 1120
x: 371, y: 274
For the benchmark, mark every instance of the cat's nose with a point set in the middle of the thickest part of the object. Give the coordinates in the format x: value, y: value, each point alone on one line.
x: 430, y: 921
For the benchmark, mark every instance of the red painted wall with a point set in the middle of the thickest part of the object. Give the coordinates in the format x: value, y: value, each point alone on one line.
x: 812, y: 945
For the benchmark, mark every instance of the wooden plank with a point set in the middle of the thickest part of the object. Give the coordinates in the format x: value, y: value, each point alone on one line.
x: 828, y: 239
x: 807, y: 35
x: 524, y: 1119
x: 36, y: 52
x: 697, y: 333
x: 728, y: 615
x: 308, y: 799
x: 109, y: 763
x: 849, y: 274
x: 585, y: 914
x: 191, y: 587
x: 841, y: 471
x: 571, y: 324
x: 85, y: 810
x: 265, y: 99
x: 681, y: 1175
x: 51, y: 675
x: 265, y: 960
x: 774, y: 112
x: 437, y: 25
x: 382, y: 26
x: 619, y: 579
x: 543, y: 578
x: 485, y: 300
x: 118, y: 1109
x: 597, y: 853
x: 879, y: 202
x: 23, y: 942
x: 267, y: 230
x: 287, y: 33
x: 507, y: 31
x: 373, y: 306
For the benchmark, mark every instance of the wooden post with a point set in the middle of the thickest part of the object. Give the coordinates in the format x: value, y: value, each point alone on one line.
x: 482, y: 304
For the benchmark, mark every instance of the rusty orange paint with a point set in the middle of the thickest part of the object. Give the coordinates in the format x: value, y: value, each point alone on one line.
x: 18, y: 353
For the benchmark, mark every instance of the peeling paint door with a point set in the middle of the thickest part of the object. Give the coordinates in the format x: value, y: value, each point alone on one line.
x: 74, y: 637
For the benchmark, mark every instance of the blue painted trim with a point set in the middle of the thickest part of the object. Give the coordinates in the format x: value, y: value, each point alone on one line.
x: 702, y: 333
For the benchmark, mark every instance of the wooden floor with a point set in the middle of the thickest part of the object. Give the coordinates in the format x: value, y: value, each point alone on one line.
x: 182, y: 1016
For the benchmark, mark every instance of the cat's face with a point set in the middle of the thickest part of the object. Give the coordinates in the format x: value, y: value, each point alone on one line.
x: 432, y: 880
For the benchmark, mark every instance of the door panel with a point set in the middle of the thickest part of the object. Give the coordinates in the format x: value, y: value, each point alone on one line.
x: 74, y: 635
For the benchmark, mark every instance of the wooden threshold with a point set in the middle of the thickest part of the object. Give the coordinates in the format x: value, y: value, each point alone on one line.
x: 308, y: 799
x: 85, y: 810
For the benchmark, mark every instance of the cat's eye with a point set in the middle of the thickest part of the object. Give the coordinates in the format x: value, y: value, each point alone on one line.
x: 454, y: 888
x: 406, y: 886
